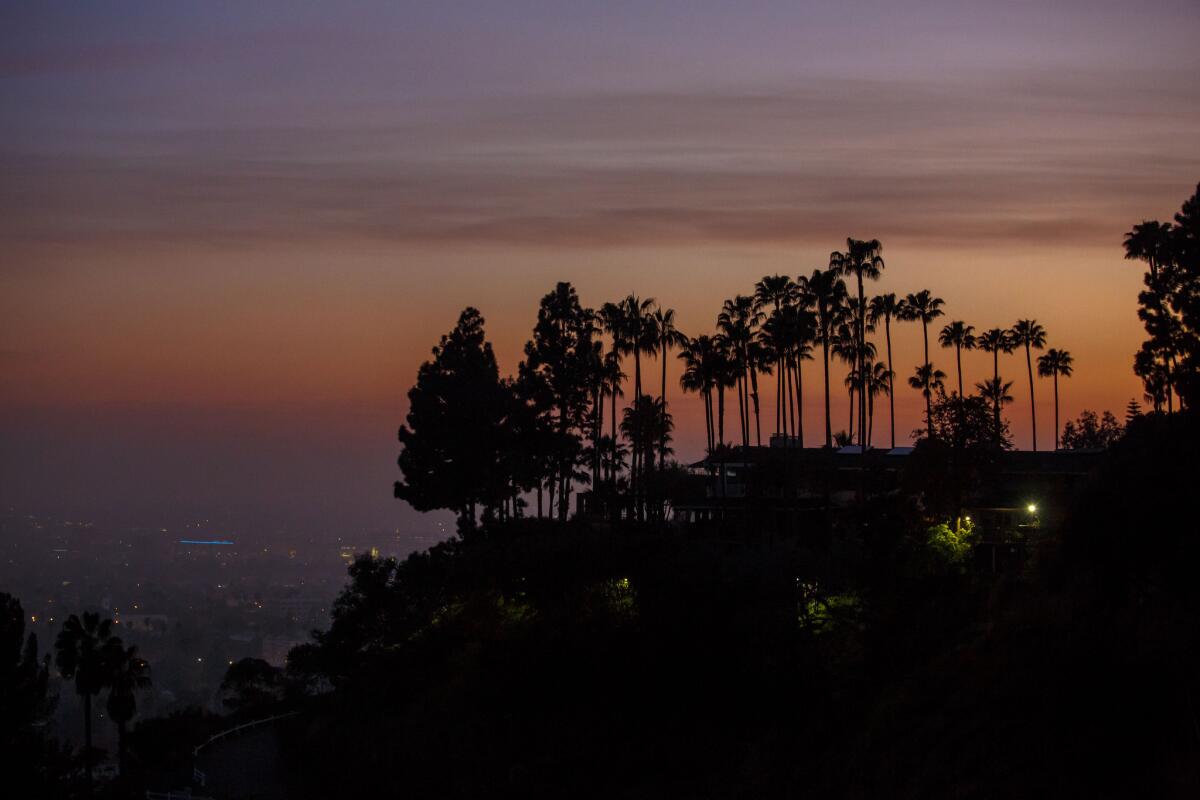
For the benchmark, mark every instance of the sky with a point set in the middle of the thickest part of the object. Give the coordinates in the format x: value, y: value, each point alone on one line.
x: 230, y: 232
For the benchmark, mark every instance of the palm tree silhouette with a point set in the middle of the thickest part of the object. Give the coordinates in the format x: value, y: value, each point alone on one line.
x: 961, y: 337
x: 1029, y: 334
x: 640, y: 335
x: 928, y: 380
x: 777, y: 292
x: 1052, y: 364
x: 923, y: 306
x: 862, y: 259
x: 128, y: 672
x: 828, y: 292
x: 886, y: 307
x: 611, y: 318
x: 1151, y: 242
x: 737, y: 322
x: 82, y: 649
x: 699, y: 375
x: 669, y: 337
x: 879, y: 381
x: 995, y: 341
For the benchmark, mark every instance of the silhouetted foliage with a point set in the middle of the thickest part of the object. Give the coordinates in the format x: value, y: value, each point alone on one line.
x: 452, y: 437
x: 1090, y: 431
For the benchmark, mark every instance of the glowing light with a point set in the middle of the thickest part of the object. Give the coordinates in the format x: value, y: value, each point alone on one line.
x: 205, y: 541
x: 1031, y: 508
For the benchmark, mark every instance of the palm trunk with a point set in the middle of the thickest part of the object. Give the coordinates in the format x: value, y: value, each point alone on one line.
x: 721, y: 414
x: 662, y: 445
x: 1056, y: 410
x: 754, y: 397
x: 612, y: 468
x: 958, y: 361
x: 1032, y: 405
x: 708, y: 418
x: 996, y: 386
x: 887, y: 327
x: 799, y: 426
x: 862, y: 372
x: 828, y: 425
x: 850, y: 428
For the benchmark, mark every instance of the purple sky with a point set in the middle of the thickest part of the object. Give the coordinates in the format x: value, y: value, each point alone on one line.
x: 229, y: 232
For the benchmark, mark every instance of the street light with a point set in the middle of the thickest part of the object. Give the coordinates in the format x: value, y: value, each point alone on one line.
x: 1031, y: 508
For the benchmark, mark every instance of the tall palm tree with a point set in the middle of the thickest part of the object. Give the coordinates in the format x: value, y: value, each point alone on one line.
x: 995, y: 341
x: 699, y: 376
x: 737, y: 322
x: 828, y: 292
x: 887, y: 307
x: 128, y: 673
x: 1052, y: 364
x: 1029, y: 334
x: 641, y: 335
x: 669, y: 337
x: 777, y: 292
x: 961, y: 337
x: 82, y: 649
x: 864, y: 260
x: 611, y: 318
x: 928, y: 380
x: 922, y: 306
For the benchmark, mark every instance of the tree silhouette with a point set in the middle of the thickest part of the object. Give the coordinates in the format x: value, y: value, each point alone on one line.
x: 450, y: 456
x: 879, y: 382
x: 922, y: 306
x: 928, y: 380
x: 669, y: 338
x: 1053, y: 364
x: 251, y: 684
x: 961, y: 337
x: 737, y: 322
x: 777, y: 292
x: 128, y: 673
x: 886, y: 307
x: 561, y: 363
x: 1092, y: 432
x: 1029, y: 334
x: 25, y: 702
x: 828, y: 292
x: 995, y: 341
x: 862, y: 259
x: 82, y: 650
x: 700, y: 374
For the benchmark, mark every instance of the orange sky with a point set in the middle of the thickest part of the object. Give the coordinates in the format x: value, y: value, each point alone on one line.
x: 222, y: 222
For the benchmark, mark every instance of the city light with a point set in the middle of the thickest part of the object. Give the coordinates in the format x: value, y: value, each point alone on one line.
x: 1031, y: 508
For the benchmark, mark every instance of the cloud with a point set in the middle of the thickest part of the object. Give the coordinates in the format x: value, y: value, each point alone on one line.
x: 1030, y: 157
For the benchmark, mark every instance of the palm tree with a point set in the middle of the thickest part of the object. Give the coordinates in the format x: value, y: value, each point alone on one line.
x: 879, y: 381
x: 641, y: 335
x: 886, y: 307
x: 828, y: 292
x: 995, y: 341
x: 82, y: 649
x: 1029, y: 334
x: 961, y: 337
x: 611, y: 378
x: 128, y: 673
x: 924, y: 307
x: 777, y: 292
x: 862, y: 259
x: 928, y: 380
x: 700, y: 375
x: 668, y: 337
x: 1052, y: 364
x: 737, y: 322
x: 611, y: 318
